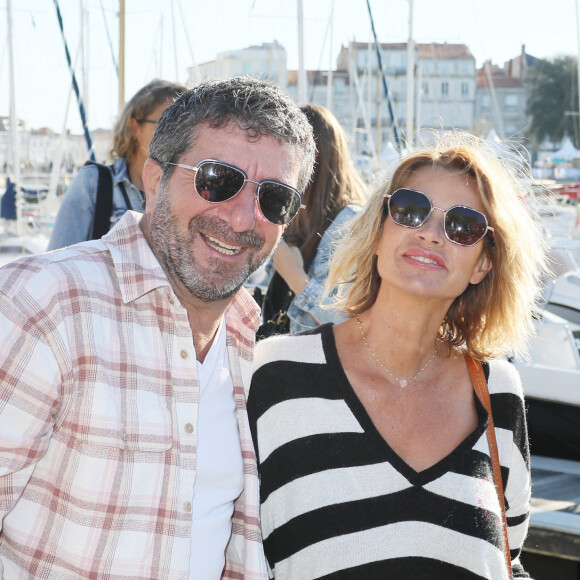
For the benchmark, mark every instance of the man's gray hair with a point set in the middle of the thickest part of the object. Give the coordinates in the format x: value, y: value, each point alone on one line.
x: 256, y: 106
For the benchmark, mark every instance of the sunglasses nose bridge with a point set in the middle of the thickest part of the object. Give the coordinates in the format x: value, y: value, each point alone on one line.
x: 439, y: 225
x: 256, y: 183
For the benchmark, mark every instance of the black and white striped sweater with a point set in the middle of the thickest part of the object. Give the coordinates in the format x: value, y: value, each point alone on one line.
x: 338, y: 503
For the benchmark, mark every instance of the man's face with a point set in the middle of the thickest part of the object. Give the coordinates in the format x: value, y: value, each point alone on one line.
x: 210, y: 249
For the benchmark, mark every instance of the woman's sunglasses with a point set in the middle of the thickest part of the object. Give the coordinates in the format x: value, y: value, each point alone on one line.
x: 462, y: 225
x: 216, y: 182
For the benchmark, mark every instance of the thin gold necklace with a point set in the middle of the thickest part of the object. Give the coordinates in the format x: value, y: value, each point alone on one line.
x: 402, y: 382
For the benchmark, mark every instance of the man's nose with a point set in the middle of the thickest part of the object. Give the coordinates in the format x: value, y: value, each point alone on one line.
x: 240, y: 212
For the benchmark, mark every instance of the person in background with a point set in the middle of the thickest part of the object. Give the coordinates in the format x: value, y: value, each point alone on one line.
x: 131, y: 137
x: 294, y: 298
x: 125, y: 449
x: 372, y: 448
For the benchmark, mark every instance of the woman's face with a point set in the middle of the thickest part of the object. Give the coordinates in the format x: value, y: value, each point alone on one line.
x: 422, y: 260
x: 143, y: 131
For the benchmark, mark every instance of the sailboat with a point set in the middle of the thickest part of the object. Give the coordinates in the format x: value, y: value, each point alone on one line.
x: 551, y: 380
x: 28, y: 213
x: 20, y: 231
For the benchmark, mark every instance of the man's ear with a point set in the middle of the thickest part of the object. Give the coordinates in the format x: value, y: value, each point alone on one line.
x: 152, y: 174
x: 482, y: 267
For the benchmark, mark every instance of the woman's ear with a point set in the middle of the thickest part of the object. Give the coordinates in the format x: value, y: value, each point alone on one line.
x: 134, y: 127
x: 482, y: 267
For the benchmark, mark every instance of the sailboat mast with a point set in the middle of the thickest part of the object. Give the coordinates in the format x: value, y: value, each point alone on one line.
x: 302, y: 89
x: 409, y: 137
x: 330, y: 63
x: 384, y: 78
x: 577, y: 58
x: 121, y: 54
x: 82, y: 113
x: 14, y: 126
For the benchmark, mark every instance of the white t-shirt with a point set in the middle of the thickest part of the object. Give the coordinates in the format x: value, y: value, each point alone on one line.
x: 220, y: 471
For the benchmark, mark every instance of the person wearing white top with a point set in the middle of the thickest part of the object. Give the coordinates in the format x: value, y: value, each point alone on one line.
x: 220, y: 470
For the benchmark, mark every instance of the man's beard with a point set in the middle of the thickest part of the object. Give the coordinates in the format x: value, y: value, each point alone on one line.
x: 174, y: 249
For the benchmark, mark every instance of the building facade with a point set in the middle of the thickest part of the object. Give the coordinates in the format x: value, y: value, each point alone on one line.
x: 500, y: 104
x: 266, y: 61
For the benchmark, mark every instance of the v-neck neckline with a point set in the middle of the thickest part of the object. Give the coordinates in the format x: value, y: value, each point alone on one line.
x: 418, y: 478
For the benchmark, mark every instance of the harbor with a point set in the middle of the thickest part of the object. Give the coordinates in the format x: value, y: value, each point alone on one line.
x: 552, y: 548
x: 390, y: 93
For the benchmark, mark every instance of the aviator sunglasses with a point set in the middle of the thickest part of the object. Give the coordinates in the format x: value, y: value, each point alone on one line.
x: 462, y: 225
x: 216, y: 182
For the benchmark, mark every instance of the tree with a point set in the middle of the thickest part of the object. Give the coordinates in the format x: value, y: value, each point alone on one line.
x: 552, y: 96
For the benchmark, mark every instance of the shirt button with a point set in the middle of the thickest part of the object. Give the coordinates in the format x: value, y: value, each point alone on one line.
x: 188, y: 428
x: 170, y: 299
x: 184, y: 354
x: 187, y: 506
x: 124, y: 435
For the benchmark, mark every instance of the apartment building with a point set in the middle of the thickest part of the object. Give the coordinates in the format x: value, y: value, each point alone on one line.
x: 267, y: 61
x: 500, y: 103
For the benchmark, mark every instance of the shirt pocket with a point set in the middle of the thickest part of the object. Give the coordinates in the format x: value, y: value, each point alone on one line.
x: 125, y: 418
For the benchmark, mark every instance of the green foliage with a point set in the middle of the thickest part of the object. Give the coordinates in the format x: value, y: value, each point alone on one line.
x: 553, y: 91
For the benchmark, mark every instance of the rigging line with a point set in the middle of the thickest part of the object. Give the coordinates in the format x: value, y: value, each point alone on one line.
x: 3, y: 58
x: 384, y: 78
x: 87, y: 133
x: 195, y: 67
x: 317, y: 75
x: 174, y: 40
x: 109, y: 38
x: 155, y: 60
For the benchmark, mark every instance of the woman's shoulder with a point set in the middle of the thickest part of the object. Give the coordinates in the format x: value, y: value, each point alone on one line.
x: 340, y: 223
x: 120, y: 170
x: 84, y: 182
x: 504, y: 378
x: 305, y: 347
x: 347, y: 212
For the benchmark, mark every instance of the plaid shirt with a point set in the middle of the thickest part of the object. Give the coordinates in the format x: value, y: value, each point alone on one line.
x: 98, y: 397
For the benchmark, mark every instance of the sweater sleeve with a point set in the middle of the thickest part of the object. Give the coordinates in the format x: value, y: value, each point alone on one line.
x: 512, y: 435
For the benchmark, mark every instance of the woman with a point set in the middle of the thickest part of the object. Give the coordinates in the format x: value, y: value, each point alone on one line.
x: 334, y: 196
x: 373, y: 455
x: 131, y: 137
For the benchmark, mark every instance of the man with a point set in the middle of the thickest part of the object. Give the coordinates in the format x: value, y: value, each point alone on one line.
x: 125, y: 450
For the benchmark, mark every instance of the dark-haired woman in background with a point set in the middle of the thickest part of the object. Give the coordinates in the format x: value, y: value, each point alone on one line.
x: 301, y: 261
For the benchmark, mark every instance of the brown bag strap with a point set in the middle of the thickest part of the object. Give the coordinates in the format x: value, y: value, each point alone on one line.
x: 480, y: 385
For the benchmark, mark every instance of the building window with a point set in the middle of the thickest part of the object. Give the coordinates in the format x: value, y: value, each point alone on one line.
x: 510, y: 103
x: 464, y: 89
x: 445, y: 89
x: 425, y: 87
x: 485, y: 103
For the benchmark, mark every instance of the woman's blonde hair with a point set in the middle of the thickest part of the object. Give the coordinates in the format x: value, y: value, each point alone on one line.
x: 489, y: 319
x: 143, y: 102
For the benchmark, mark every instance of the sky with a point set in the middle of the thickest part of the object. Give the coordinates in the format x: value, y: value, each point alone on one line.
x: 163, y: 38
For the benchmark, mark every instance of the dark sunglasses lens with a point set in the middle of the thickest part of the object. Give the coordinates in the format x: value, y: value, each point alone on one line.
x: 465, y: 226
x: 217, y: 182
x: 409, y: 208
x: 278, y: 203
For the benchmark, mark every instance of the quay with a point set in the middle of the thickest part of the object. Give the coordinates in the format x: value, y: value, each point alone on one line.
x: 552, y: 548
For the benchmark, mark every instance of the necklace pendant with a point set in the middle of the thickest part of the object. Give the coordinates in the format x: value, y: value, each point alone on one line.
x: 403, y: 383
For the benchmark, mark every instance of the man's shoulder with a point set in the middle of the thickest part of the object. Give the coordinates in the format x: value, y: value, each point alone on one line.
x: 42, y: 274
